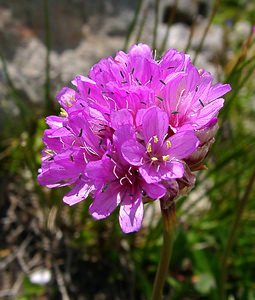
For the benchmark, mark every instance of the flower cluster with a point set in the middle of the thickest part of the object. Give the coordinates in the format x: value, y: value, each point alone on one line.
x: 133, y: 130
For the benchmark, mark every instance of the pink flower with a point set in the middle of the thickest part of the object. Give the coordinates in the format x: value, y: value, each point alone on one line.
x: 132, y: 130
x: 119, y: 183
x: 158, y: 157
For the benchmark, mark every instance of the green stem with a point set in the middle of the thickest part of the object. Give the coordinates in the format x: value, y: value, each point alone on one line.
x: 168, y: 215
x: 155, y: 29
x: 232, y: 236
x: 214, y: 10
x: 47, y: 86
x: 132, y: 25
x: 15, y: 94
x: 169, y: 23
x: 191, y: 34
x: 141, y: 26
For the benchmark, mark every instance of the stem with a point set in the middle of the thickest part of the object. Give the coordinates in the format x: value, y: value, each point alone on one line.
x: 232, y: 236
x: 169, y: 23
x: 191, y: 34
x: 141, y: 27
x: 47, y: 85
x: 169, y: 219
x: 243, y: 54
x: 214, y: 10
x: 15, y: 94
x: 133, y: 23
x: 155, y: 29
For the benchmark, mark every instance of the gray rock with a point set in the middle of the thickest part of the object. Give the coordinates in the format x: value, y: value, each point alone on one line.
x: 82, y: 32
x: 27, y: 69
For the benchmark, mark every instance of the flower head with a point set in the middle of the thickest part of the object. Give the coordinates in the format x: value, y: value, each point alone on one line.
x: 132, y: 130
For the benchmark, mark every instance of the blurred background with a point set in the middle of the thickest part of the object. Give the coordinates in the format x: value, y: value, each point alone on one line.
x: 51, y: 251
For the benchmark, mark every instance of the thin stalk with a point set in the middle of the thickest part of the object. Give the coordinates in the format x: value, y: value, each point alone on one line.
x: 169, y: 219
x: 155, y: 29
x: 48, y: 102
x: 133, y: 23
x: 235, y: 92
x: 169, y: 23
x: 191, y: 34
x: 141, y: 27
x: 212, y: 15
x: 232, y: 236
x: 16, y: 95
x: 243, y: 53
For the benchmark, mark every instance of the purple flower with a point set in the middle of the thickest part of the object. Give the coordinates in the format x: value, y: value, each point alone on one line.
x: 159, y: 158
x: 174, y: 84
x: 134, y: 129
x: 70, y: 144
x: 119, y: 183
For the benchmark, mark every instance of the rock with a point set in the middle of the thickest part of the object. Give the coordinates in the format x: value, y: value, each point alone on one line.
x: 178, y: 37
x: 203, y: 63
x: 71, y: 13
x: 27, y: 68
x: 81, y: 59
x: 96, y: 29
x: 239, y: 32
x: 213, y: 43
x: 40, y: 276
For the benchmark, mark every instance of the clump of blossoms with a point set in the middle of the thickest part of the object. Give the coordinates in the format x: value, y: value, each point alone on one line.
x: 134, y: 129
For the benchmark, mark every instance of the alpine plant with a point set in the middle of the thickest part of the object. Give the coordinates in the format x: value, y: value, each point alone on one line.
x: 134, y: 130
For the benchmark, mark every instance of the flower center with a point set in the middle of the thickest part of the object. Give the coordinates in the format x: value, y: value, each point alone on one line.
x: 155, y: 155
x: 129, y: 177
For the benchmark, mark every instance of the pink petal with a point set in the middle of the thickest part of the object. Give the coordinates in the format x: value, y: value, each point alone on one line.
x: 55, y: 122
x: 121, y: 117
x: 139, y: 116
x: 155, y: 122
x: 105, y: 202
x: 154, y: 190
x: 78, y: 193
x: 183, y: 144
x: 171, y: 170
x: 57, y: 132
x: 133, y: 152
x: 120, y: 136
x: 174, y: 61
x: 62, y: 170
x: 141, y: 50
x: 82, y: 79
x: 218, y: 90
x: 149, y: 173
x: 131, y: 213
x: 98, y: 171
x: 81, y: 127
x: 208, y: 112
x: 66, y: 97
